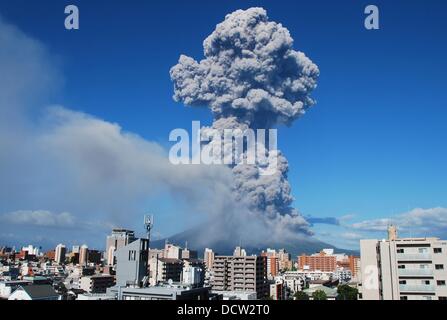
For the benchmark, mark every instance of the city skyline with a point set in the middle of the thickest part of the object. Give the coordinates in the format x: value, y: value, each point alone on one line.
x: 85, y: 117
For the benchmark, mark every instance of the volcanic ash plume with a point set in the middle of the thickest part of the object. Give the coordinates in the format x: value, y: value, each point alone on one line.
x: 252, y: 78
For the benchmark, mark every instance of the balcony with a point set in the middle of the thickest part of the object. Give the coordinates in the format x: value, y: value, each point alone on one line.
x: 416, y: 288
x: 415, y: 272
x: 414, y: 257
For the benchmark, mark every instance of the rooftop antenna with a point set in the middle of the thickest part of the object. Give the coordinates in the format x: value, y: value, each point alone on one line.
x: 148, y: 225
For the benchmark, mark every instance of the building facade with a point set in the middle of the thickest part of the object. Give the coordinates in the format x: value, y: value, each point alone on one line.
x: 118, y: 239
x: 132, y: 263
x: 321, y: 261
x: 403, y: 269
x: 59, y: 254
x: 240, y: 273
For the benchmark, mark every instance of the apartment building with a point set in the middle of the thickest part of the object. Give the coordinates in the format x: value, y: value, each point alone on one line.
x: 164, y: 269
x: 96, y: 283
x: 240, y: 273
x: 321, y: 261
x: 403, y: 269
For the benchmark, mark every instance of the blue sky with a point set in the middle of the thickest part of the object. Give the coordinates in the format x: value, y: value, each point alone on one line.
x: 374, y: 146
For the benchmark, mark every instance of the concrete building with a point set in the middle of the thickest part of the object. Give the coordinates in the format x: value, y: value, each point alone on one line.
x: 236, y: 295
x: 172, y: 251
x: 118, y: 239
x: 96, y: 283
x: 208, y: 257
x: 189, y: 254
x: 403, y: 269
x: 192, y: 276
x: 132, y: 263
x: 240, y: 273
x: 164, y: 269
x: 59, y: 254
x: 83, y: 255
x: 324, y: 261
x: 95, y: 296
x: 173, y: 292
x: 278, y: 290
x: 294, y: 280
x: 284, y: 259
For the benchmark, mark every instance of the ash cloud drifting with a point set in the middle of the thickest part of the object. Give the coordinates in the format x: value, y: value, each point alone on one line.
x: 251, y: 77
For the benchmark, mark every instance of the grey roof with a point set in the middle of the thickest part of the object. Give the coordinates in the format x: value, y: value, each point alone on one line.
x: 36, y: 291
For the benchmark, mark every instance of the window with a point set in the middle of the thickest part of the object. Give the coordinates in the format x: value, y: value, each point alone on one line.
x: 437, y: 250
x: 400, y: 250
x: 401, y: 266
x: 439, y: 266
x: 422, y: 250
x: 440, y: 282
x: 403, y: 298
x: 442, y: 298
x: 426, y: 282
x: 132, y: 255
x: 402, y: 281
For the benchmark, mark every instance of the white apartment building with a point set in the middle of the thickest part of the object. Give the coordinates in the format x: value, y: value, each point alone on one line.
x: 403, y: 269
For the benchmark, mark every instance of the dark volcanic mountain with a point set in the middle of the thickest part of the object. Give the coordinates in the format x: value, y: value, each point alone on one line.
x: 195, y: 239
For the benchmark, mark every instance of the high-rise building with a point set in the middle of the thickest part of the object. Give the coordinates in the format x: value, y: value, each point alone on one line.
x: 132, y: 263
x: 403, y: 269
x: 240, y: 273
x: 83, y: 255
x: 59, y: 253
x: 208, y: 258
x: 118, y: 239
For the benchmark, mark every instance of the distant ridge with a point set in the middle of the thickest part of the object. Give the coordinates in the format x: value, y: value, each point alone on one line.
x: 194, y: 238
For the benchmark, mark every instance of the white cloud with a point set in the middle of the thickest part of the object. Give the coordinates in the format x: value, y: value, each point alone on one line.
x: 419, y: 221
x: 41, y: 218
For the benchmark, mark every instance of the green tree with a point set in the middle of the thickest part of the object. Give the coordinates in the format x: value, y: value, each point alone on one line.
x: 319, y: 295
x: 300, y: 295
x: 346, y: 292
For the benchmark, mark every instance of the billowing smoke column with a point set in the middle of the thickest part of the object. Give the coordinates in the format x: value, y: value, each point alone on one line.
x: 252, y: 78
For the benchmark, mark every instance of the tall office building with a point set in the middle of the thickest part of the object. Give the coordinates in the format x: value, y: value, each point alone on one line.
x: 59, y: 253
x: 240, y: 273
x: 83, y: 255
x: 118, y: 239
x: 403, y: 269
